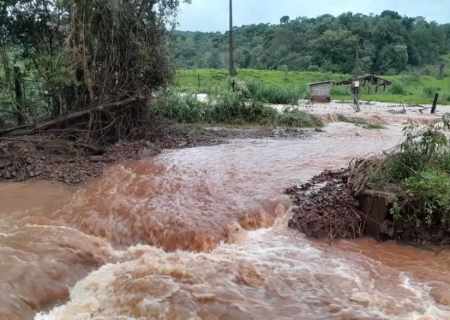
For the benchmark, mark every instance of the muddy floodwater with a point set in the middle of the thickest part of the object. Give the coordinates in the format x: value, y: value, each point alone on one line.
x: 202, y: 233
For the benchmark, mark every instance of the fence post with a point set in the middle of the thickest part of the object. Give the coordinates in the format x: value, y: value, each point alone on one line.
x: 19, y: 96
x: 198, y: 78
x: 433, y: 108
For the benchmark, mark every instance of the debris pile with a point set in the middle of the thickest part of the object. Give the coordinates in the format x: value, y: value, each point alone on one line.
x: 326, y: 207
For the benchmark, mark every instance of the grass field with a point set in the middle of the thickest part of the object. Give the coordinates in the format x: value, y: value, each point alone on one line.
x: 405, y: 88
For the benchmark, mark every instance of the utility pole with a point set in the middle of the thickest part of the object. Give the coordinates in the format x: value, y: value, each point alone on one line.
x: 231, y: 45
x: 356, y: 84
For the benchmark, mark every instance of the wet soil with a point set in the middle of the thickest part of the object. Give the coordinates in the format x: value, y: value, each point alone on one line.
x: 31, y: 160
x: 325, y: 207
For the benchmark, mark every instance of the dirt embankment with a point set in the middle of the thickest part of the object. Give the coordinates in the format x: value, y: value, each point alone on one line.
x: 325, y: 207
x: 37, y: 158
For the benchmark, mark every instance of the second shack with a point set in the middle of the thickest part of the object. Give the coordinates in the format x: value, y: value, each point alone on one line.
x: 320, y: 91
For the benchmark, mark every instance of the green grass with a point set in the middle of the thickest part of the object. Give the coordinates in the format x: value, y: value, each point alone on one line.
x: 288, y: 94
x: 407, y: 88
x: 230, y: 108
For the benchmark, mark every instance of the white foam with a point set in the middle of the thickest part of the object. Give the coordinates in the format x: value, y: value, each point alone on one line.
x: 275, y: 265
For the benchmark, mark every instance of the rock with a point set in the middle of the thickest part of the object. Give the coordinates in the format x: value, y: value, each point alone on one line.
x: 147, y: 153
x: 96, y: 158
x: 31, y: 174
x: 29, y: 160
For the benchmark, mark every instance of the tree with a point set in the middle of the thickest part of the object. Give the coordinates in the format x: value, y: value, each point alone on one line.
x: 337, y: 49
x: 89, y: 53
x: 285, y: 19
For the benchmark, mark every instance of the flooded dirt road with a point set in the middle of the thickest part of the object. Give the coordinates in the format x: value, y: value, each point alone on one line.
x: 202, y: 233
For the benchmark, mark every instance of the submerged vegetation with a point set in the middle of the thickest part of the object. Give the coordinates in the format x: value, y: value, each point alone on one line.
x: 359, y: 122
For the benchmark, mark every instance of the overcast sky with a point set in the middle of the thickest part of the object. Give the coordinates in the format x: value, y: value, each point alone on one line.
x: 212, y: 15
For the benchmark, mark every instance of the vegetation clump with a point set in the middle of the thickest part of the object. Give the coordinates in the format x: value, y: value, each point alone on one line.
x: 418, y: 172
x: 288, y: 94
x: 230, y: 108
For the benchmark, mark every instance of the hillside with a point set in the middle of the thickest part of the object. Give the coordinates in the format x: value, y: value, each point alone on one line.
x: 389, y: 44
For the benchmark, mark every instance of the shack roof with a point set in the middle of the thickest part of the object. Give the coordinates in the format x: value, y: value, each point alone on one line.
x: 371, y: 78
x: 321, y: 82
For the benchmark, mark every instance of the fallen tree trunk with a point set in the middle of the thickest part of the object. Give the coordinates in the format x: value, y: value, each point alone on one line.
x: 8, y: 130
x: 27, y: 130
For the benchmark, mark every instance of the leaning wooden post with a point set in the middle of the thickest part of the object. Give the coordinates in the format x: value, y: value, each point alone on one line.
x: 433, y: 108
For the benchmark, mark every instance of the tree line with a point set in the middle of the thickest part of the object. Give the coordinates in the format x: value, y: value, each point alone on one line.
x: 388, y: 44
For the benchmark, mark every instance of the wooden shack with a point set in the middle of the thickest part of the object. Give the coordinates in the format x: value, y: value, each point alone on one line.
x: 320, y: 91
x: 366, y: 79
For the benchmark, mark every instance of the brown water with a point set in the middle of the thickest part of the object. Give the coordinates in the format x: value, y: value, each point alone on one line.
x: 201, y: 234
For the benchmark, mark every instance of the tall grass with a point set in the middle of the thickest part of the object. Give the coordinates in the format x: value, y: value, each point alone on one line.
x: 288, y: 94
x: 340, y: 91
x: 230, y: 108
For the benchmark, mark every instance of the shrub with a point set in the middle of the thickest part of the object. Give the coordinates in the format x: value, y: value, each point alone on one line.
x: 397, y: 88
x: 274, y: 94
x: 185, y: 108
x: 293, y: 117
x: 340, y: 91
x: 430, y: 190
x: 228, y: 107
x: 429, y: 92
x: 368, y: 89
x: 313, y: 68
x: 420, y: 169
x: 445, y: 97
x: 391, y: 72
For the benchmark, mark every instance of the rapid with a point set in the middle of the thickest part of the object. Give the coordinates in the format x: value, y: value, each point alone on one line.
x: 202, y: 233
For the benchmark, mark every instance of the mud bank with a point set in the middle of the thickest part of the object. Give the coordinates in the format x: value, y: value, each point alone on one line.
x: 326, y: 208
x: 39, y: 160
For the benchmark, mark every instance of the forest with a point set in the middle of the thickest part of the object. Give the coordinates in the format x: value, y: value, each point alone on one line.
x: 388, y: 44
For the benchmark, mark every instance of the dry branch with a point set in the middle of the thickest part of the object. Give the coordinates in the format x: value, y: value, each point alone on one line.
x: 27, y: 130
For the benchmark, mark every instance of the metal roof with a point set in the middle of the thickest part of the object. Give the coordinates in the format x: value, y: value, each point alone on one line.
x: 312, y: 83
